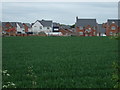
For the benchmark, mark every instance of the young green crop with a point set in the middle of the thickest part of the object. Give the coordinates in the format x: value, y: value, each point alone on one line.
x: 60, y: 62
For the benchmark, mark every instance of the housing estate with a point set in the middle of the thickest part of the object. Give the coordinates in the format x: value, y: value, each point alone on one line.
x: 82, y: 27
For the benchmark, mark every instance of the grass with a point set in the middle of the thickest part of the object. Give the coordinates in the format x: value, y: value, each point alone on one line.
x: 60, y: 62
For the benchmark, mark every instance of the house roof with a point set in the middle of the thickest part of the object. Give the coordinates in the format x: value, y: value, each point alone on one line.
x: 46, y: 23
x: 56, y: 24
x: 3, y: 24
x: 32, y: 24
x: 28, y: 25
x: 84, y: 22
x: 111, y: 21
x: 63, y: 31
x: 101, y: 29
x: 13, y: 24
x: 20, y: 24
x: 64, y: 26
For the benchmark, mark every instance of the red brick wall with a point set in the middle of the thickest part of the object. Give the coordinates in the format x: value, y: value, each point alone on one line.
x: 83, y: 30
x: 108, y: 29
x: 26, y: 27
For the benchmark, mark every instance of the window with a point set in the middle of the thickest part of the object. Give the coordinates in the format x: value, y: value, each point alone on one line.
x: 94, y: 33
x: 113, y: 28
x: 56, y: 29
x: 48, y: 28
x: 40, y: 27
x: 35, y: 26
x: 88, y: 30
x: 81, y: 33
x: 113, y: 22
x: 81, y: 27
x: 111, y: 33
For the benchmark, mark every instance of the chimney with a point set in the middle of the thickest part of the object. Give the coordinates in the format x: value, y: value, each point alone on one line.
x: 76, y: 18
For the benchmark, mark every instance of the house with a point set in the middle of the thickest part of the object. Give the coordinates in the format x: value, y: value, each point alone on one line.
x: 65, y: 30
x: 55, y: 30
x: 112, y: 27
x: 56, y: 27
x: 27, y: 27
x: 13, y: 28
x: 42, y: 26
x: 19, y: 27
x: 101, y: 31
x: 8, y: 29
x: 86, y: 27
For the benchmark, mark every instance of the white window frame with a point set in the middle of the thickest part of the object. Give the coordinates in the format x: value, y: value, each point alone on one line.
x: 88, y: 30
x: 111, y: 33
x: 94, y: 33
x: 113, y: 28
x: 81, y: 33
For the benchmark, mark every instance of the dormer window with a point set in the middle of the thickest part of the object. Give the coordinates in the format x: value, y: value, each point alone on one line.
x: 113, y: 28
x: 113, y: 22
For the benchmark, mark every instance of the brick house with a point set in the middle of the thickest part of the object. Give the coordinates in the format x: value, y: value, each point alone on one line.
x: 86, y: 27
x: 65, y: 30
x: 112, y: 27
x: 8, y: 28
x: 27, y: 27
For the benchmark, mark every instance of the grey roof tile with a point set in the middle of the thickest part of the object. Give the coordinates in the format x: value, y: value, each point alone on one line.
x: 13, y: 24
x: 116, y: 21
x: 46, y: 23
x: 65, y: 26
x: 56, y: 24
x: 28, y: 24
x: 20, y: 24
x: 85, y: 22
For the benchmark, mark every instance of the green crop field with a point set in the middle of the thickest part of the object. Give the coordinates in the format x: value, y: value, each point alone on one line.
x: 59, y: 62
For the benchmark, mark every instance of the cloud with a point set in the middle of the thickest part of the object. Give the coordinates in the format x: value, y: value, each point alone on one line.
x: 63, y: 12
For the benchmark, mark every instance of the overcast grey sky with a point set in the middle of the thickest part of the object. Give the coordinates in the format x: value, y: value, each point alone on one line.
x: 62, y: 12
